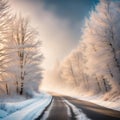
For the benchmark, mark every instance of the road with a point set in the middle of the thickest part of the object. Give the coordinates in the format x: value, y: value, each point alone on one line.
x: 67, y: 108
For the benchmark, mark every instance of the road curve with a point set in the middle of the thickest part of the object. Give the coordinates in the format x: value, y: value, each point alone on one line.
x: 58, y: 110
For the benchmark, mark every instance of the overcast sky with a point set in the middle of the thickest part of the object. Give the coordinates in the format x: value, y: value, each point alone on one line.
x: 58, y: 22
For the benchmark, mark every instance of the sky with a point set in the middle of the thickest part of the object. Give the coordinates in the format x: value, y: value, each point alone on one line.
x: 58, y: 22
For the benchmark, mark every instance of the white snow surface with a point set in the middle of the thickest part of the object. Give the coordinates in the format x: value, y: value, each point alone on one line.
x: 47, y: 113
x: 78, y: 112
x: 3, y: 114
x: 25, y: 110
x: 98, y: 99
x: 12, y: 98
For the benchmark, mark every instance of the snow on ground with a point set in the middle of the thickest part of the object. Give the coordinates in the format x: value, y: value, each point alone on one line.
x: 78, y: 112
x: 3, y: 114
x: 98, y: 99
x: 47, y: 113
x: 25, y: 110
x: 12, y: 98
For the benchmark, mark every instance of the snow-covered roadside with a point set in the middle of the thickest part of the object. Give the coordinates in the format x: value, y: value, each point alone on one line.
x: 11, y: 107
x: 12, y: 98
x: 78, y: 112
x: 25, y: 110
x: 47, y: 113
x: 98, y: 99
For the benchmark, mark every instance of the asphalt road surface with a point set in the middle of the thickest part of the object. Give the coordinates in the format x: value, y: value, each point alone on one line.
x: 60, y: 110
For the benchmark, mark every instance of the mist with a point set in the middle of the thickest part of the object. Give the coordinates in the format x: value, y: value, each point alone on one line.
x: 58, y: 37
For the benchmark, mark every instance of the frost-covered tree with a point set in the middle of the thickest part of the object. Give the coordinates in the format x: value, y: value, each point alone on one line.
x: 102, y: 40
x: 23, y: 68
x: 20, y: 53
x: 68, y: 74
x: 5, y: 19
x: 95, y: 64
x: 72, y: 70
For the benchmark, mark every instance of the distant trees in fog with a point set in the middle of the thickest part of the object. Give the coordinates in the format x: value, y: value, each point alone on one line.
x: 20, y: 54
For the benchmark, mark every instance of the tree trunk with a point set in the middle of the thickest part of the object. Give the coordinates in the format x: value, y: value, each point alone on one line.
x: 110, y: 71
x: 99, y: 87
x: 105, y: 85
x: 22, y: 85
x: 17, y: 89
x: 72, y: 72
x: 22, y: 69
x: 86, y: 81
x: 7, y: 91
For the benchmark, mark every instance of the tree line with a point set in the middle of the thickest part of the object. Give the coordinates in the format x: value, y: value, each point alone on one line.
x: 94, y: 66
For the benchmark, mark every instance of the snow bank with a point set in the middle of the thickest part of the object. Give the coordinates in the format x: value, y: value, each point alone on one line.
x: 98, y: 99
x: 47, y: 113
x: 11, y: 107
x: 25, y: 110
x: 12, y: 98
x: 3, y: 113
x: 78, y: 112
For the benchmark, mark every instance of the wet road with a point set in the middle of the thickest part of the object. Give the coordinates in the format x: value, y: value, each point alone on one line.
x: 59, y: 110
